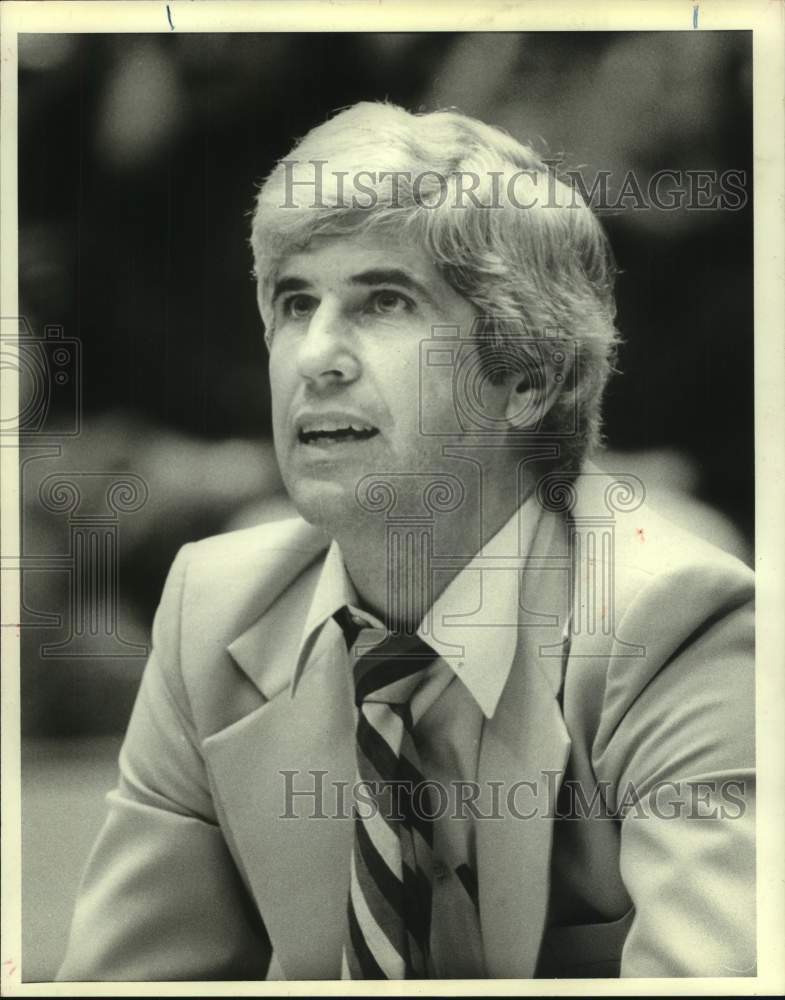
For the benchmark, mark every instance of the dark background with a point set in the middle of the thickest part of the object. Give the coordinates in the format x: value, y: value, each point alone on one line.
x: 139, y: 157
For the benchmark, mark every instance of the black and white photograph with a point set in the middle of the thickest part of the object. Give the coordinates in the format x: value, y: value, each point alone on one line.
x: 392, y: 446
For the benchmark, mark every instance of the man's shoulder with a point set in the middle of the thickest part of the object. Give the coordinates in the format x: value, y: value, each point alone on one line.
x: 646, y: 541
x: 292, y: 536
x: 252, y: 566
x: 676, y: 647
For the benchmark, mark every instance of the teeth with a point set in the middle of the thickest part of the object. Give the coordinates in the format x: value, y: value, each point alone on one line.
x: 330, y: 427
x: 361, y: 432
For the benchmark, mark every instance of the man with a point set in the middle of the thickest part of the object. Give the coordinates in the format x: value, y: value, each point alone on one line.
x: 478, y: 712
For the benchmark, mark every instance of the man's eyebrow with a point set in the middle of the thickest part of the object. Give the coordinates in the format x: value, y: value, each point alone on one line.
x: 370, y: 278
x: 289, y: 285
x: 391, y: 276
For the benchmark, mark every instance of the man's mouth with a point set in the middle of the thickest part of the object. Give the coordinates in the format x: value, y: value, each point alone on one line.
x: 330, y: 434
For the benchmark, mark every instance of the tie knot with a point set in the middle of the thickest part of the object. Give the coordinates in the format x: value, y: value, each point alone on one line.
x: 392, y: 670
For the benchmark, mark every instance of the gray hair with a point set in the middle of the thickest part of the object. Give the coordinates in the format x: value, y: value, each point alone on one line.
x: 538, y: 264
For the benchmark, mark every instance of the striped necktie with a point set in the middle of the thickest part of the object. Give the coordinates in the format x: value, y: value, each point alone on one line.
x: 389, y: 906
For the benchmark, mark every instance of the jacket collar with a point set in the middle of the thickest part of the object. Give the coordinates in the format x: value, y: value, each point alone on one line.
x: 472, y: 622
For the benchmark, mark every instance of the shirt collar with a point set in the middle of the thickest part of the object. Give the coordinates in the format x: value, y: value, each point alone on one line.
x: 334, y: 590
x: 473, y: 624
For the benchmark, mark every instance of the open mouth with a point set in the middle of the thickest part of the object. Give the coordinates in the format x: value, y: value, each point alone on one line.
x: 336, y: 435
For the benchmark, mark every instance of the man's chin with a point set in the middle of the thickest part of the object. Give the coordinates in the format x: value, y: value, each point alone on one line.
x: 327, y: 504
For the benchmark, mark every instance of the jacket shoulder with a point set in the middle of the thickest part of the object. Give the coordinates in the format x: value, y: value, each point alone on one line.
x: 217, y: 590
x: 228, y: 581
x: 672, y: 647
x: 293, y: 535
x: 646, y: 543
x: 265, y: 558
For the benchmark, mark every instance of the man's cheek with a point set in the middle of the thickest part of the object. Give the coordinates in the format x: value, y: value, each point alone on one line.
x: 436, y: 406
x: 279, y: 397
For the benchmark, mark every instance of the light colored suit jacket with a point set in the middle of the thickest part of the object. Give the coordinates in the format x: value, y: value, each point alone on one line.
x: 195, y: 875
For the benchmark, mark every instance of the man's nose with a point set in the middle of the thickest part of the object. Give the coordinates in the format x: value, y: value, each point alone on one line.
x: 325, y: 353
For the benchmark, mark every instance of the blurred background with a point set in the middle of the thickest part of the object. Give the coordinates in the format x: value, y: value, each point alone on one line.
x: 138, y: 161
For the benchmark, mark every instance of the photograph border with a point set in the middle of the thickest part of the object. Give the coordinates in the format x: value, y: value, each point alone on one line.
x: 767, y: 22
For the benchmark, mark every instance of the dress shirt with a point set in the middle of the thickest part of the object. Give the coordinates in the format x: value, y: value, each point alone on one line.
x: 473, y: 625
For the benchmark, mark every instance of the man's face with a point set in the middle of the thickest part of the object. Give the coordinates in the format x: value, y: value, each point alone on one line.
x: 350, y: 315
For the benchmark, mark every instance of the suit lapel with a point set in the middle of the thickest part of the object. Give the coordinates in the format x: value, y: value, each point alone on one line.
x: 526, y: 741
x: 297, y: 863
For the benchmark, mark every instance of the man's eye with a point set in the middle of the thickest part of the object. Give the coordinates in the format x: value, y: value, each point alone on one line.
x: 390, y: 302
x: 298, y: 306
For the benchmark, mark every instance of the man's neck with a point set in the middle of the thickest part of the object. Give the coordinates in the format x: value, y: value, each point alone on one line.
x: 390, y: 563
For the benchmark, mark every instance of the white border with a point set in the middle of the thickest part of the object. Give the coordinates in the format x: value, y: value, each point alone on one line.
x: 767, y: 22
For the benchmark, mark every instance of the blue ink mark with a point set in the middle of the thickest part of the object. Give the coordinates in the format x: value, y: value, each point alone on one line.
x: 694, y: 15
x: 169, y: 16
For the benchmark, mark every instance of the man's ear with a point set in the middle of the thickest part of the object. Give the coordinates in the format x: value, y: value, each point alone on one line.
x: 535, y: 386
